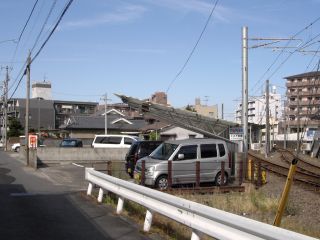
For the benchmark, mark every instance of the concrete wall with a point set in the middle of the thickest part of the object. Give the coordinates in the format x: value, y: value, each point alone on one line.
x: 80, y: 155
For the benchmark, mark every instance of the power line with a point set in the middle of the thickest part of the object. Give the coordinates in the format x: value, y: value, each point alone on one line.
x: 194, y: 48
x: 44, y: 24
x: 52, y: 31
x: 25, y: 25
x: 42, y: 46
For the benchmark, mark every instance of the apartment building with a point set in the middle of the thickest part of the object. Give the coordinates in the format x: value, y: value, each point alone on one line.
x: 257, y: 109
x: 303, y: 101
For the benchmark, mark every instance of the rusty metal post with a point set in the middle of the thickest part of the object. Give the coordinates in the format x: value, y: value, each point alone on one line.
x: 240, y: 172
x: 222, y: 173
x: 109, y: 168
x: 197, y: 174
x: 252, y: 170
x: 143, y: 172
x: 259, y: 179
x: 169, y: 174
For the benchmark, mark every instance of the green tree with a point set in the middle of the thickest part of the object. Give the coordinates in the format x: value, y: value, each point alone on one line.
x: 190, y: 108
x: 15, y: 128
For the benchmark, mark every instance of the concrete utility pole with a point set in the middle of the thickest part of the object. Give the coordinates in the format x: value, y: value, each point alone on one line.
x: 222, y: 113
x: 5, y: 110
x: 285, y: 128
x: 26, y: 132
x: 267, y: 137
x: 105, y: 99
x: 298, y: 128
x: 245, y: 89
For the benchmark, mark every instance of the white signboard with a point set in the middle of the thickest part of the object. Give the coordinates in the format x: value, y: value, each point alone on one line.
x: 236, y: 137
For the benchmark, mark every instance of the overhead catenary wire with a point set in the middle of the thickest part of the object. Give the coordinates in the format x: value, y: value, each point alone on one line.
x: 282, y: 51
x: 194, y: 47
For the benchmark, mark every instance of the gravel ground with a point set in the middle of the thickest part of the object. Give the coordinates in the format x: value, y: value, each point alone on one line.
x: 303, y: 207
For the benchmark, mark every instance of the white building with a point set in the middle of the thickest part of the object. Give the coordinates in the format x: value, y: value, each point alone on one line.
x: 257, y: 109
x: 41, y: 90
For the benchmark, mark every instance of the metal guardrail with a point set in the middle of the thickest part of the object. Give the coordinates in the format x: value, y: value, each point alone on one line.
x: 200, y: 218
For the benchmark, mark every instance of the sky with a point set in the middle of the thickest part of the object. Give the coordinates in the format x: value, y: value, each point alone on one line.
x: 137, y: 47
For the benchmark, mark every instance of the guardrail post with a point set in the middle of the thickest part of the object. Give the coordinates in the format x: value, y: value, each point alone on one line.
x: 197, y: 174
x: 169, y: 174
x: 222, y: 173
x: 100, y: 196
x: 90, y: 186
x: 195, y: 235
x: 109, y: 168
x: 148, y: 221
x: 120, y: 205
x: 143, y: 172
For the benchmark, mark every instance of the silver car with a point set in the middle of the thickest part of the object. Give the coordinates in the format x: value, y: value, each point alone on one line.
x: 184, y: 154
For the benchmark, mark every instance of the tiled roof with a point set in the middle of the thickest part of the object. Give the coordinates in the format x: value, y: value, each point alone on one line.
x: 97, y: 122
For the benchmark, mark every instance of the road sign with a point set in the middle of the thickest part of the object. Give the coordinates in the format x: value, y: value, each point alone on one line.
x: 33, y: 141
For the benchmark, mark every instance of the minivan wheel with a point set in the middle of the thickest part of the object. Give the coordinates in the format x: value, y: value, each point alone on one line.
x: 218, y: 179
x: 162, y: 182
x: 17, y: 149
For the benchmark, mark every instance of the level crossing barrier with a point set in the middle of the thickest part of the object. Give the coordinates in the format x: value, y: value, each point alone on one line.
x: 200, y: 218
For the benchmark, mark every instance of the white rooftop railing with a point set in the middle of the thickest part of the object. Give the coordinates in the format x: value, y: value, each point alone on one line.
x: 200, y: 218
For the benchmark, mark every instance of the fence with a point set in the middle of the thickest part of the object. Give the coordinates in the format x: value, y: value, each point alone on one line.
x: 200, y: 218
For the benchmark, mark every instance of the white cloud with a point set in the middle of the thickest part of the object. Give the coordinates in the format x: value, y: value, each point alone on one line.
x: 198, y: 6
x: 121, y: 15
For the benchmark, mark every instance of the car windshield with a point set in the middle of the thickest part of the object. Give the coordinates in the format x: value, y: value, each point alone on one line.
x: 164, y: 151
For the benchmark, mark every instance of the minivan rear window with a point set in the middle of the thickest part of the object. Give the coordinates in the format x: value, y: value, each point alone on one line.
x: 208, y: 150
x: 222, y: 150
x: 128, y: 141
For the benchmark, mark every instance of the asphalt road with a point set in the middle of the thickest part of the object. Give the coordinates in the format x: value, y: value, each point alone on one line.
x: 49, y: 204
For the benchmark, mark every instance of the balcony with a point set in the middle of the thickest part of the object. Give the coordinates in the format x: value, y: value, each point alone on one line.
x: 302, y: 84
x: 304, y: 122
x: 303, y: 103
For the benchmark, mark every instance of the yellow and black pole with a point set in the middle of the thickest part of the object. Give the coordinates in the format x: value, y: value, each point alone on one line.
x: 285, y: 193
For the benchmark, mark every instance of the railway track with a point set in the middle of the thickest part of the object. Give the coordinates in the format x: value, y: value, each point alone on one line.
x: 306, y: 172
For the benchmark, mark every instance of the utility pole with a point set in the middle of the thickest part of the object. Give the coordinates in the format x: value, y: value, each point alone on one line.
x: 222, y: 113
x: 105, y: 99
x: 298, y: 128
x: 5, y: 110
x: 267, y: 137
x: 245, y: 90
x: 285, y: 127
x: 26, y: 133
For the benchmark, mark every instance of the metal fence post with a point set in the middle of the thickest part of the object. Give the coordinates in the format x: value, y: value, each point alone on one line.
x: 109, y: 168
x: 259, y: 180
x: 222, y: 173
x: 169, y: 174
x: 143, y: 172
x: 197, y: 174
x: 252, y: 166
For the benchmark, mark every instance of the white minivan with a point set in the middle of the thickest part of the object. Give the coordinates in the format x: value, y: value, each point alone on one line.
x: 113, y: 141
